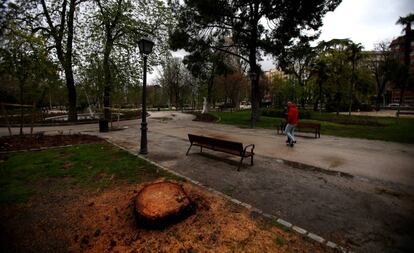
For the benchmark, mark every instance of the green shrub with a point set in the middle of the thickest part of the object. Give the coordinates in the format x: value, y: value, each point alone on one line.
x: 344, y: 107
x: 275, y: 113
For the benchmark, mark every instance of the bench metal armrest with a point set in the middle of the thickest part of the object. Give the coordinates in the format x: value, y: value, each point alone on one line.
x: 251, y: 150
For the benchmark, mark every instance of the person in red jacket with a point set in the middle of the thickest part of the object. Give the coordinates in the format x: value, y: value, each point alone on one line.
x: 291, y: 123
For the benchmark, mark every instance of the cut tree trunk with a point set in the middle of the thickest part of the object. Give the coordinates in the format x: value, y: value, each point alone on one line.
x: 160, y: 204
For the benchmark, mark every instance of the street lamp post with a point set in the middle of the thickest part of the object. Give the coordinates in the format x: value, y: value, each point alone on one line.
x: 145, y: 48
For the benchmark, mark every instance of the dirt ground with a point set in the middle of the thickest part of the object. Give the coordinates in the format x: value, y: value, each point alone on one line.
x: 362, y: 214
x: 205, y: 117
x: 78, y: 220
x: 75, y: 221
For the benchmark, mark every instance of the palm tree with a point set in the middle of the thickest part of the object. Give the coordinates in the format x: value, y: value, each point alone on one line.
x: 320, y: 70
x: 355, y: 54
x: 406, y: 22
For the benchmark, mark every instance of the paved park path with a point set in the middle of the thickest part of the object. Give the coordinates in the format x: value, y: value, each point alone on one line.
x: 369, y: 211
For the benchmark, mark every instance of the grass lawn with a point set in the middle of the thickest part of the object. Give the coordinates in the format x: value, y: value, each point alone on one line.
x: 89, y: 166
x: 365, y: 127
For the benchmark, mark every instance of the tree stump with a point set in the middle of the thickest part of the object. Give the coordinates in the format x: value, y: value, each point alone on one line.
x: 159, y: 204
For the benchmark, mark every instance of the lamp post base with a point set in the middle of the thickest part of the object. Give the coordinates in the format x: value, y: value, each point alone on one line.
x: 144, y: 146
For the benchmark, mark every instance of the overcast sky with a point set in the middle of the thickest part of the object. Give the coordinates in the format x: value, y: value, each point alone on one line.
x: 366, y: 21
x: 363, y: 21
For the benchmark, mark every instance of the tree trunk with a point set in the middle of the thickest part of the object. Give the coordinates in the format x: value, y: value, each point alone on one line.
x: 302, y: 85
x: 380, y: 95
x: 378, y: 101
x: 162, y: 203
x: 255, y: 92
x: 210, y: 85
x: 107, y: 78
x: 65, y: 58
x: 320, y: 97
x: 70, y: 83
x: 351, y: 90
x: 315, y: 105
x: 21, y: 108
x: 338, y: 103
x: 255, y: 99
x: 177, y: 98
x: 380, y: 87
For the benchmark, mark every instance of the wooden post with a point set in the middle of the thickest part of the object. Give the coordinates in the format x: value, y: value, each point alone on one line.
x: 6, y: 117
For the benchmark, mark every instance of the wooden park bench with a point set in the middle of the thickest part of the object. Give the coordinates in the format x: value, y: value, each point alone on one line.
x: 314, y: 127
x: 229, y: 147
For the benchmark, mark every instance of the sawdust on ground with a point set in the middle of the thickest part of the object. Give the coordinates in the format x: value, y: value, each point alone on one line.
x: 76, y: 221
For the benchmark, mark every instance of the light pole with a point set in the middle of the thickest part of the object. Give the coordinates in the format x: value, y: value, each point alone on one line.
x: 145, y: 48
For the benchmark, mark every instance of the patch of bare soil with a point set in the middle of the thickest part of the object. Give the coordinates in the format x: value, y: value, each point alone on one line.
x: 104, y: 222
x: 205, y: 117
x: 24, y: 142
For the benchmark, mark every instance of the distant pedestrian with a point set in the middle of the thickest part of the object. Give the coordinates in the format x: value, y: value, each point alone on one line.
x: 291, y: 123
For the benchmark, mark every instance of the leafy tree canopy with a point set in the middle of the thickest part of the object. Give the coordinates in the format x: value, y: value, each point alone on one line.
x: 247, y: 29
x: 266, y: 25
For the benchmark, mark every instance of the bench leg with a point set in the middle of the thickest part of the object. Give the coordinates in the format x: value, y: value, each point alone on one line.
x: 240, y: 164
x: 189, y: 149
x: 201, y: 149
x: 251, y: 161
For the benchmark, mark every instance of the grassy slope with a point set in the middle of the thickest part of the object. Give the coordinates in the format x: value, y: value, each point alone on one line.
x: 90, y: 166
x: 387, y: 130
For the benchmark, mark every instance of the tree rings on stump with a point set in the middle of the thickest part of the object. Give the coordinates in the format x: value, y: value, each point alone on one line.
x: 160, y: 204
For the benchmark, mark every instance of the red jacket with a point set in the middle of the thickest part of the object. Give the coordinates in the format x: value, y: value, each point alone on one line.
x: 292, y: 117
